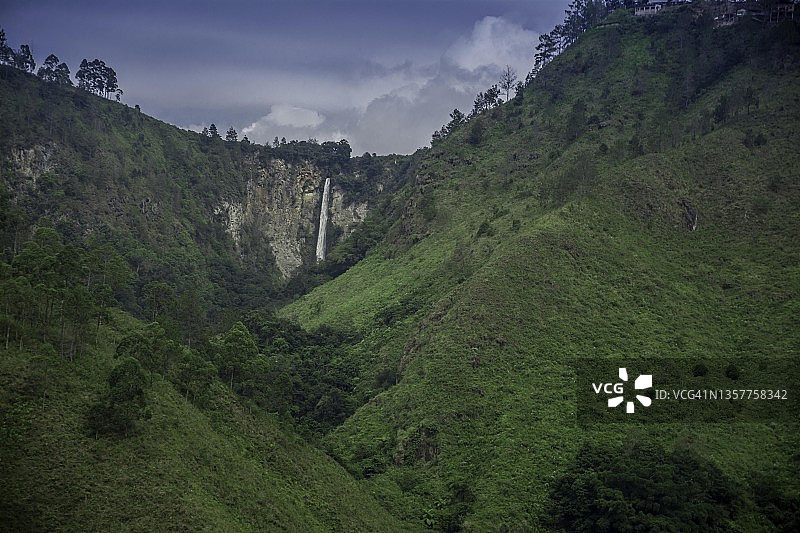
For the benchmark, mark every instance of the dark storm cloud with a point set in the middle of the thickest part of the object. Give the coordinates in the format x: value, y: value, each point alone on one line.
x: 382, y: 73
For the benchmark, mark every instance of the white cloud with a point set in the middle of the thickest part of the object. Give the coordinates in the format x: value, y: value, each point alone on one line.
x: 495, y: 41
x: 296, y: 117
x: 401, y: 122
x: 294, y: 122
x: 286, y: 120
x: 395, y: 109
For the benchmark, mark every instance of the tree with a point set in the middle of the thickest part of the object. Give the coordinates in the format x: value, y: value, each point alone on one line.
x: 519, y: 92
x: 23, y: 59
x: 193, y: 375
x: 245, y: 140
x: 54, y: 72
x: 82, y: 76
x: 275, y: 142
x: 6, y: 53
x: 158, y: 296
x: 212, y: 131
x: 722, y: 110
x: 507, y: 79
x: 487, y: 100
x: 232, y: 351
x: 78, y: 305
x: 642, y: 487
x: 205, y: 132
x: 576, y: 122
x: 61, y: 75
x: 231, y: 135
x: 110, y: 83
x: 545, y: 50
x: 98, y: 78
x: 124, y: 403
x: 476, y: 133
x: 457, y: 118
x: 151, y: 347
x: 750, y: 98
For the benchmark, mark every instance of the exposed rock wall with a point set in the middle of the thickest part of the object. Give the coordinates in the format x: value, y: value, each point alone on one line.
x: 280, y: 203
x: 283, y: 205
x: 33, y: 162
x: 347, y: 216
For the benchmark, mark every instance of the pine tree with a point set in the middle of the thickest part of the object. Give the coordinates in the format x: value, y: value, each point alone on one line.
x: 457, y: 118
x: 519, y: 92
x: 6, y: 53
x: 231, y: 135
x: 545, y: 50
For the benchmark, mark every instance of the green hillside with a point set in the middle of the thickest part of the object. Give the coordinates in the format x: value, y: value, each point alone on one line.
x: 222, y: 465
x: 105, y: 172
x: 637, y: 200
x: 108, y: 422
x: 565, y: 232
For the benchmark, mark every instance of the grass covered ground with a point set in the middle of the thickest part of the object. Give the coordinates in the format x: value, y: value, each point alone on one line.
x: 639, y: 200
x: 534, y: 247
x: 224, y: 467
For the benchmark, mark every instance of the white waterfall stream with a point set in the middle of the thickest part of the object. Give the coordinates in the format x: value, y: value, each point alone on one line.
x: 323, y: 221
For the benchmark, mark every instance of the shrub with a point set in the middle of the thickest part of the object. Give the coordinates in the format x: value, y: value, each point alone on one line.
x: 476, y: 132
x: 642, y: 488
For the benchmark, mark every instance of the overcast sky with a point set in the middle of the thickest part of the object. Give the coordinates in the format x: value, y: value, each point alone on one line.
x: 383, y: 74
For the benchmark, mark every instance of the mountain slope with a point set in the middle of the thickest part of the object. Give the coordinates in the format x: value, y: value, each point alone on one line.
x: 224, y: 466
x: 638, y: 200
x: 106, y: 213
x: 636, y: 203
x: 224, y: 224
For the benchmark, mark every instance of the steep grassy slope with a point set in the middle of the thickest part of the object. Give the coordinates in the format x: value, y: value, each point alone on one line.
x: 566, y: 232
x: 225, y: 467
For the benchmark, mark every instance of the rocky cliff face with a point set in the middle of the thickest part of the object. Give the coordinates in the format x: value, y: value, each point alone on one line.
x: 282, y: 204
x: 217, y: 223
x: 277, y: 206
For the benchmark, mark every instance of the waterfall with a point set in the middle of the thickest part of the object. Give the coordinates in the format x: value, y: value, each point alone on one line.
x: 323, y: 222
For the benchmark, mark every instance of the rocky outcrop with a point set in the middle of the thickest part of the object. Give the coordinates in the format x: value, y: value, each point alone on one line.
x: 282, y: 205
x: 33, y: 162
x: 348, y: 216
x: 278, y: 204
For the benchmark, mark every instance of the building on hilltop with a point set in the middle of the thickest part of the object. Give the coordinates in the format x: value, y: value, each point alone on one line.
x: 780, y: 12
x: 727, y: 12
x: 646, y: 9
x: 652, y: 7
